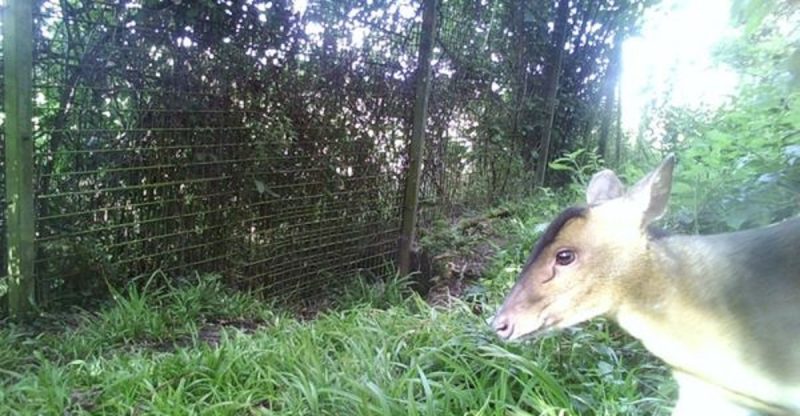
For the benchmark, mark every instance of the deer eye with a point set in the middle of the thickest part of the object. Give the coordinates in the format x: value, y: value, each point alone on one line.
x: 565, y: 257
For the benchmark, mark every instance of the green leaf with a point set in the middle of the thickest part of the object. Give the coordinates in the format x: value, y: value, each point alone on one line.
x: 260, y: 187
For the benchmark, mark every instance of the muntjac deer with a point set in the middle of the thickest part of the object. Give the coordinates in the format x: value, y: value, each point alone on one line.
x: 723, y: 311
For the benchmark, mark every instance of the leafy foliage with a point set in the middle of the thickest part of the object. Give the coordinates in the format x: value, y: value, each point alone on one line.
x: 489, y: 92
x: 740, y: 164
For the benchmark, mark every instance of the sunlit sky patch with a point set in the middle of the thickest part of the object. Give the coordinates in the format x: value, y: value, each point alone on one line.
x: 673, y: 53
x: 406, y: 9
x: 299, y: 6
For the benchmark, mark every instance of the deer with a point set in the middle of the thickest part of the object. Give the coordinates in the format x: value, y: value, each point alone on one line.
x: 722, y: 311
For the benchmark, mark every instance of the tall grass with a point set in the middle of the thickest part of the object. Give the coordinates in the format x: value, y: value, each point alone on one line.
x: 146, y: 355
x: 198, y: 348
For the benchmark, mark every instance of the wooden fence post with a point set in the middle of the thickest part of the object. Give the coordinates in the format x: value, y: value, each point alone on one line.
x: 18, y: 63
x: 415, y: 148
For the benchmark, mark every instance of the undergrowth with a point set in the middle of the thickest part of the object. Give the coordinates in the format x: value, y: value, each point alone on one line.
x: 199, y: 348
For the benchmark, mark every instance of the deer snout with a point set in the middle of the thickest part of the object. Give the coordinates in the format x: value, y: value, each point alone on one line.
x: 502, y: 327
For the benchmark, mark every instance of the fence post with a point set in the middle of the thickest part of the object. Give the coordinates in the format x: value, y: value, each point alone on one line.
x: 415, y: 147
x: 18, y: 57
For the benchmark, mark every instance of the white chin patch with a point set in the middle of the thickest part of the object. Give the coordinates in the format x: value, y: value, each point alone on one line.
x: 527, y: 329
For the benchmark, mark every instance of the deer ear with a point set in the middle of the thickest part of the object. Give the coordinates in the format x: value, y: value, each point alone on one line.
x: 651, y: 193
x: 605, y: 185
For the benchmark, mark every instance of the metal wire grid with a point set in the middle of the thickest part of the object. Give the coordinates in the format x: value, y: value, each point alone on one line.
x: 142, y: 170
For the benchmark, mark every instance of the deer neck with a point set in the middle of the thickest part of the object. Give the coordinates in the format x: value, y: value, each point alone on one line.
x: 688, y: 306
x: 687, y: 296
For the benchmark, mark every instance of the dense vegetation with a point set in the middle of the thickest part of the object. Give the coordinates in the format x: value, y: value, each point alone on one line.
x: 168, y: 344
x: 740, y: 163
x: 240, y: 136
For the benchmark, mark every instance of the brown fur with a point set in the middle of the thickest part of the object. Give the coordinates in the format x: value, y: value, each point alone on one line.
x: 722, y: 310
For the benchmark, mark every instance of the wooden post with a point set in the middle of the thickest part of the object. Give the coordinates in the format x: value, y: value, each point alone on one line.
x: 18, y: 51
x: 415, y: 147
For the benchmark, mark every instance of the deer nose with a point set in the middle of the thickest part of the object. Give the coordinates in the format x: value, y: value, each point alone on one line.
x: 502, y: 327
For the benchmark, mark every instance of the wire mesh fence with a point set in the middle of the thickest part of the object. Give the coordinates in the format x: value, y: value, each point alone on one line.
x: 266, y: 140
x: 238, y: 138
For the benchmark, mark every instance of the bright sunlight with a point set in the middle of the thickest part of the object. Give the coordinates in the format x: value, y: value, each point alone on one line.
x: 673, y: 55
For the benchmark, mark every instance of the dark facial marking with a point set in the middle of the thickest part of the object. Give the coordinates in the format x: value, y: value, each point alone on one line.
x: 552, y: 231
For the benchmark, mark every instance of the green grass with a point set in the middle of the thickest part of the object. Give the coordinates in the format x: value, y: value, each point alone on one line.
x: 198, y: 348
x: 147, y: 354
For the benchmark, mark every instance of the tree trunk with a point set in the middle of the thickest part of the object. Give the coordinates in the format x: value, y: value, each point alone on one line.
x: 619, y: 144
x: 520, y: 86
x: 609, y: 87
x: 605, y: 124
x: 415, y: 147
x: 551, y: 89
